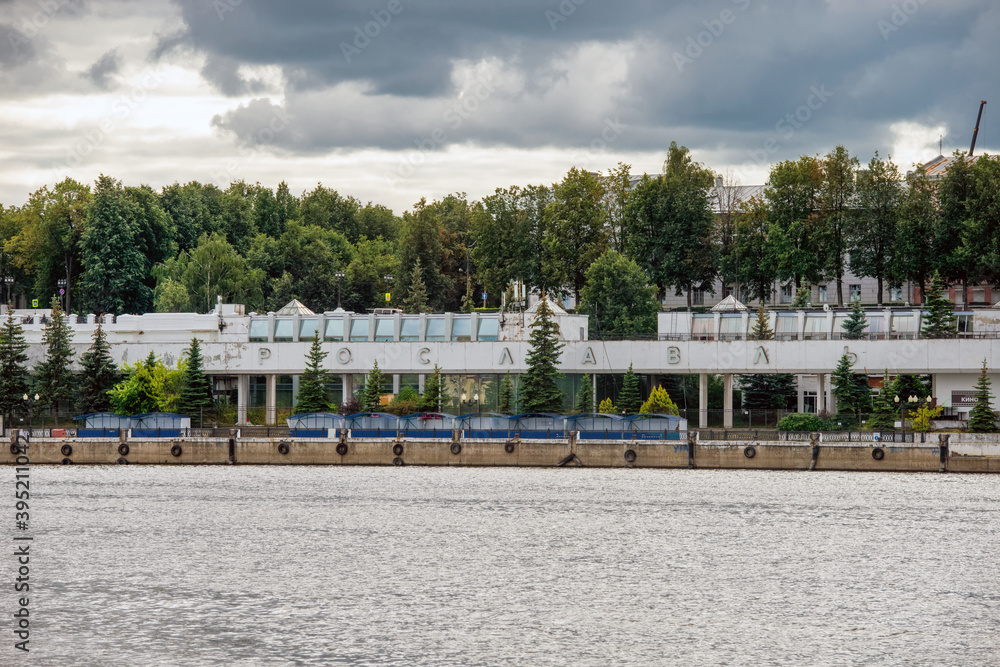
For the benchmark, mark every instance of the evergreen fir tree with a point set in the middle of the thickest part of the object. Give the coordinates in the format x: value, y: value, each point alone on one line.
x: 371, y: 397
x: 939, y: 322
x: 416, y: 296
x: 505, y: 397
x: 430, y: 401
x: 883, y: 409
x: 982, y: 419
x: 855, y: 324
x: 469, y: 300
x: 539, y: 391
x: 630, y: 400
x: 14, y: 377
x: 762, y: 327
x: 850, y: 390
x: 585, y: 397
x: 54, y: 383
x: 802, y: 297
x: 312, y: 383
x: 196, y: 392
x: 98, y: 375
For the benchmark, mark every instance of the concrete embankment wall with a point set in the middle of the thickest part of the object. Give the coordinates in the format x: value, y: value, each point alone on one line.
x: 528, y: 453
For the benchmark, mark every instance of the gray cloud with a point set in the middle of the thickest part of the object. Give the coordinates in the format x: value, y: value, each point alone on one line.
x: 102, y: 72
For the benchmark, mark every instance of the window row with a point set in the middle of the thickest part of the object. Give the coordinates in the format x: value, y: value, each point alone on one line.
x: 360, y: 329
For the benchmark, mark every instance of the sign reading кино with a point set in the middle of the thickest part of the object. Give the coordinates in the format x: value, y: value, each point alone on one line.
x: 960, y: 398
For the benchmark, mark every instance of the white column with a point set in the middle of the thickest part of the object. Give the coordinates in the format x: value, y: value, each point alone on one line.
x: 703, y: 400
x: 821, y: 392
x: 345, y: 388
x: 242, y: 396
x: 727, y: 404
x: 271, y: 407
x: 800, y: 406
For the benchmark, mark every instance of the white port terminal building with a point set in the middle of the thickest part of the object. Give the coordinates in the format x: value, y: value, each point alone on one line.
x: 255, y: 360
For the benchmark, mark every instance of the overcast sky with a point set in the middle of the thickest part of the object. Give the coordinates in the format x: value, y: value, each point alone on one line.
x: 393, y: 100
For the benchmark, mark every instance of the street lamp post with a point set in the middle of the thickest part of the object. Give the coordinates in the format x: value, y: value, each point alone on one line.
x: 339, y: 274
x: 388, y: 286
x: 9, y: 282
x: 30, y: 404
x: 62, y: 293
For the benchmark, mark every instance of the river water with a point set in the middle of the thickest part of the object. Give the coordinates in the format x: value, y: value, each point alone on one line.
x: 408, y: 566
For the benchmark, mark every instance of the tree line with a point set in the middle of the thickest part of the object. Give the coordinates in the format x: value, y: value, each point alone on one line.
x: 615, y: 243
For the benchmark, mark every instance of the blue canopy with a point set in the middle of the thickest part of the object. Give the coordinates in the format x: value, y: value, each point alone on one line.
x: 316, y: 420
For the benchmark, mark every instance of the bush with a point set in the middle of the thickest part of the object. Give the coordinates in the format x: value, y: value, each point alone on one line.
x: 351, y: 406
x: 804, y: 422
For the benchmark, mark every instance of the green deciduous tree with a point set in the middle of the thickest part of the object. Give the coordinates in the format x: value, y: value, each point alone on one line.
x: 14, y: 376
x: 508, y: 228
x: 670, y: 225
x: 918, y: 218
x: 617, y: 297
x: 539, y: 391
x: 148, y: 386
x: 98, y: 375
x: 575, y: 234
x: 875, y: 224
x: 756, y: 250
x: 939, y: 320
x: 793, y: 196
x: 312, y: 383
x: 211, y: 269
x: 196, y: 391
x: 982, y: 418
x: 837, y: 196
x: 54, y: 382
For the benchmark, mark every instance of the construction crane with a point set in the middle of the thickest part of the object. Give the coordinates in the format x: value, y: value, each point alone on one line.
x: 975, y: 134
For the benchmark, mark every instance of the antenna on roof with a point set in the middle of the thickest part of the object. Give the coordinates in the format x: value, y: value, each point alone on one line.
x: 941, y: 145
x: 975, y: 134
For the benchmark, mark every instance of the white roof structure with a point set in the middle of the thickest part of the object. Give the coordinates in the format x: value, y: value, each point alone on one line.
x: 553, y: 306
x: 729, y: 305
x: 295, y: 307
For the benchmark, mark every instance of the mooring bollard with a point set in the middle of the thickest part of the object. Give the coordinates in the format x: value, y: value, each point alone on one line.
x: 943, y: 450
x: 691, y: 440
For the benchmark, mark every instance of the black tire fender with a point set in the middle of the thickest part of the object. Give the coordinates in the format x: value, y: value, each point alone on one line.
x: 66, y: 462
x: 397, y: 449
x: 750, y: 451
x: 176, y: 451
x: 456, y: 448
x: 341, y: 448
x: 283, y: 448
x: 122, y: 461
x: 878, y: 453
x: 509, y: 448
x: 630, y: 455
x: 67, y: 450
x: 397, y: 461
x: 123, y: 449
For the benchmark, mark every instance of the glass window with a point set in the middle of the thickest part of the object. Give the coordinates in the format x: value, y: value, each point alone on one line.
x: 461, y: 329
x: 435, y: 328
x: 895, y: 292
x: 855, y: 293
x: 698, y: 297
x: 876, y: 323
x: 283, y: 330
x: 489, y: 328
x: 732, y: 326
x: 307, y: 329
x: 703, y: 327
x: 979, y: 295
x: 359, y: 330
x: 787, y: 327
x: 258, y: 331
x: 335, y: 329
x: 816, y: 327
x: 384, y: 329
x: 822, y: 294
x: 904, y: 324
x: 786, y: 293
x: 964, y: 321
x: 410, y: 329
